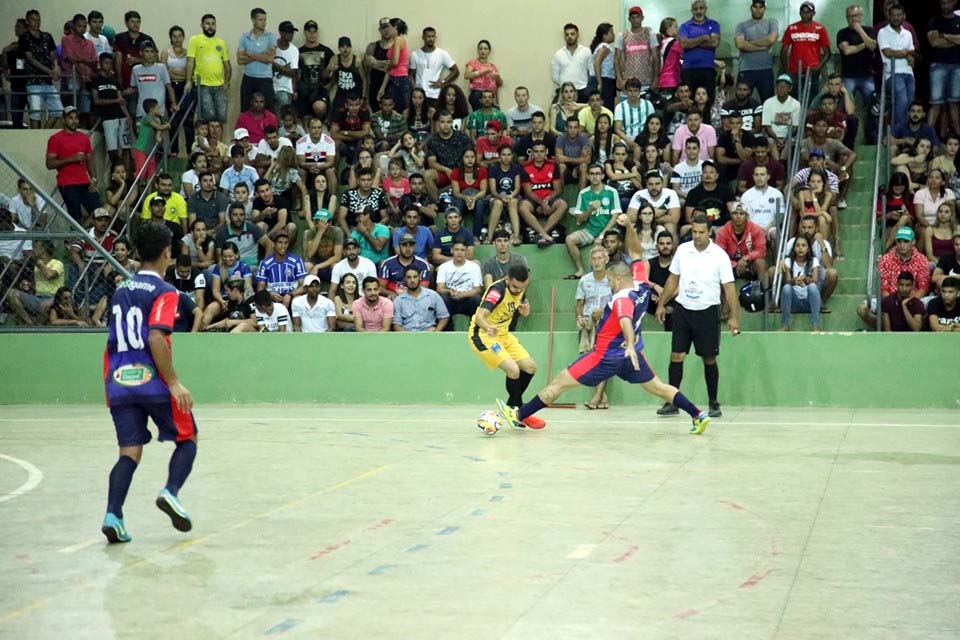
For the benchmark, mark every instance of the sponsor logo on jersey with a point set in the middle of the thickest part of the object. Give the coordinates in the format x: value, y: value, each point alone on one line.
x: 133, y: 375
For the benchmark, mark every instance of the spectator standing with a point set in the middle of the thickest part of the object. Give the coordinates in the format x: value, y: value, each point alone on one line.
x: 637, y: 53
x: 483, y: 75
x: 15, y: 66
x: 858, y: 46
x: 754, y: 39
x: 126, y: 50
x: 43, y: 68
x: 70, y: 154
x: 353, y: 263
x: 312, y: 97
x: 943, y: 32
x: 95, y: 34
x: 899, y: 56
x: 372, y: 312
x: 943, y: 312
x: 571, y: 63
x: 397, y: 81
x: 432, y: 67
x: 604, y: 63
x: 805, y: 47
x: 346, y: 74
x: 700, y: 37
x: 151, y: 80
x: 460, y: 283
x: 312, y: 312
x: 255, y: 52
x: 699, y: 270
x: 496, y: 266
x: 417, y: 308
x: 285, y: 66
x: 79, y: 63
x: 376, y: 61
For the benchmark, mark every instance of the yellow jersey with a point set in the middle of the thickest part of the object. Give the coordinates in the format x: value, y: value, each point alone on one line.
x: 502, y: 305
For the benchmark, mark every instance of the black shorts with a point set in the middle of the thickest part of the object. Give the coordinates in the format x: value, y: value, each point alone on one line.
x: 702, y: 328
x: 307, y: 95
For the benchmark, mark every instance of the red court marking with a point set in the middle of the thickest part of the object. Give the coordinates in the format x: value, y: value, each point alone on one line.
x: 626, y: 555
x: 754, y: 579
x: 732, y: 505
x: 381, y: 524
x: 329, y: 550
x: 686, y: 613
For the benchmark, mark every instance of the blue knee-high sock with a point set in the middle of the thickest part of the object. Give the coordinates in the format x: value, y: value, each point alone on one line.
x: 680, y: 401
x: 181, y: 462
x: 531, y: 407
x: 120, y: 478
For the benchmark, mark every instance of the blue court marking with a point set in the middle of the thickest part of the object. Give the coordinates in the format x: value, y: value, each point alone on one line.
x: 478, y: 512
x: 382, y: 569
x: 334, y: 597
x: 433, y: 446
x: 475, y: 458
x: 417, y: 547
x: 357, y: 434
x: 447, y: 531
x: 496, y: 498
x: 281, y: 627
x: 503, y: 474
x: 506, y: 485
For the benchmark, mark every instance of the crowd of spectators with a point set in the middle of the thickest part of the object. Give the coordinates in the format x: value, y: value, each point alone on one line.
x: 352, y: 188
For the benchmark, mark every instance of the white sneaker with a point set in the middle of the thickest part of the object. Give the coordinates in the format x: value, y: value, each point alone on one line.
x: 842, y: 203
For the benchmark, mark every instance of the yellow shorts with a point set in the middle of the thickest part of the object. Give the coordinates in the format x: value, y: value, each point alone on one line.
x: 493, y: 351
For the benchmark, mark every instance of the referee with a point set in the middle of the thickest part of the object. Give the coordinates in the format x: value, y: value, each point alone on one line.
x: 698, y: 271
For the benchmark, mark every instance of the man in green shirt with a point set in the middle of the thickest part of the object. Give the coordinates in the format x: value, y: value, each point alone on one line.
x: 373, y: 237
x: 477, y: 122
x: 596, y: 206
x: 387, y: 125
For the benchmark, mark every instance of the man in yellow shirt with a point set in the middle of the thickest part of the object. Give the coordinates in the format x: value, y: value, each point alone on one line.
x: 175, y: 207
x: 208, y: 66
x: 48, y: 276
x: 588, y: 116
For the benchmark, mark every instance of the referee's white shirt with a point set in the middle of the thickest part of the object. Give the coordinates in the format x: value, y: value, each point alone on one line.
x: 702, y: 274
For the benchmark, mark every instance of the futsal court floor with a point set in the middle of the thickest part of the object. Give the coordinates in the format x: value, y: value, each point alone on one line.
x: 407, y: 522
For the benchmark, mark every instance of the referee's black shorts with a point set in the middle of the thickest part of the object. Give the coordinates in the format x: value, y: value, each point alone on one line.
x: 701, y: 328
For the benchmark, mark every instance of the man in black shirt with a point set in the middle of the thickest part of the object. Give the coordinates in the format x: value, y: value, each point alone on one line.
x: 858, y: 48
x: 538, y: 132
x: 711, y: 196
x: 734, y: 146
x: 312, y: 97
x: 658, y: 270
x: 943, y: 312
x: 444, y: 153
x: 376, y: 61
x: 111, y: 107
x: 943, y: 32
x: 15, y: 66
x: 746, y: 105
x: 43, y: 70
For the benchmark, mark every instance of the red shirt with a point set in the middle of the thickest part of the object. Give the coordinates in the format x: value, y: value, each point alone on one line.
x: 806, y: 41
x: 541, y: 180
x: 64, y: 144
x: 488, y: 151
x: 254, y: 125
x: 751, y: 245
x: 479, y: 178
x: 891, y: 265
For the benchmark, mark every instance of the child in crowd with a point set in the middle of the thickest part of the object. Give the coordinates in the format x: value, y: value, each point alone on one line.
x: 152, y: 129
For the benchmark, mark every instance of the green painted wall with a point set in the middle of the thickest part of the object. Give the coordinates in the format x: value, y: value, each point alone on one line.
x: 756, y: 369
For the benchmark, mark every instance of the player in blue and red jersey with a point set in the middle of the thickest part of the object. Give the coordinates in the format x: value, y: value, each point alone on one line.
x: 141, y: 382
x: 618, y: 351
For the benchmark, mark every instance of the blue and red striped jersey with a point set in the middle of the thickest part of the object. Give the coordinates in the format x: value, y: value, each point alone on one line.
x: 631, y: 304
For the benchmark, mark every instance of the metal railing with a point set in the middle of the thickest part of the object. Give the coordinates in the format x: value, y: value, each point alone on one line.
x: 73, y: 92
x: 880, y: 170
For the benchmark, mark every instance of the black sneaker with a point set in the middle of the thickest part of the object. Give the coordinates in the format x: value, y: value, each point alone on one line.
x: 668, y: 409
x: 715, y: 410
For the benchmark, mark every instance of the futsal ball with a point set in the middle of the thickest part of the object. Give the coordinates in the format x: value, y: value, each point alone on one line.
x: 489, y: 422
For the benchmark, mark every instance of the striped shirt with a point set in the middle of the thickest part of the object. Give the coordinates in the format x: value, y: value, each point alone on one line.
x: 633, y: 118
x: 802, y: 179
x: 281, y: 277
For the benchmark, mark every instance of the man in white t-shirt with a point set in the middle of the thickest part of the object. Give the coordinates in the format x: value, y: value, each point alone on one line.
x: 269, y: 148
x: 94, y: 25
x: 312, y: 312
x: 687, y: 175
x: 272, y: 317
x: 781, y: 112
x: 666, y: 202
x: 317, y: 153
x: 286, y: 65
x: 764, y: 203
x: 429, y: 63
x: 460, y: 283
x: 352, y: 262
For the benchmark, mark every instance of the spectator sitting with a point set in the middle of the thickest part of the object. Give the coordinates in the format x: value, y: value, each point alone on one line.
x: 48, y: 277
x: 271, y: 316
x: 831, y: 113
x: 496, y: 266
x: 395, y: 185
x: 821, y: 250
x: 312, y: 312
x: 175, y: 207
x: 489, y: 144
x: 695, y: 128
x: 423, y: 237
x: 622, y: 174
x: 281, y: 273
x: 948, y: 162
x: 903, y: 258
x: 588, y: 116
x: 943, y: 312
x: 372, y: 312
x: 520, y: 117
x: 743, y: 103
x: 207, y: 204
x: 198, y: 245
x: 543, y: 197
x: 477, y: 122
x: 459, y: 282
x: 393, y: 269
x: 596, y: 206
x: 364, y: 196
x: 686, y: 175
x: 651, y: 159
x: 938, y: 237
x: 899, y: 210
x: 653, y: 133
x: 949, y: 265
x: 573, y: 153
x: 420, y: 199
x: 418, y: 308
x: 837, y: 157
x: 270, y: 213
x: 630, y: 115
x: 801, y: 272
x: 734, y: 146
x: 229, y: 268
x: 269, y: 148
x: 387, y: 124
x: 905, y: 135
x: 409, y: 152
x: 365, y: 161
x: 64, y: 312
x: 247, y: 236
x: 361, y: 268
x: 745, y: 245
x: 444, y: 152
x: 239, y: 171
x: 373, y: 237
x: 676, y: 110
x: 815, y: 199
x: 349, y: 124
x: 469, y: 190
x: 241, y: 137
x: 505, y: 181
x: 451, y: 233
x: 317, y: 154
x: 658, y: 270
x: 453, y: 101
x: 289, y: 128
x: 845, y: 105
x: 761, y: 158
x: 902, y: 310
x: 817, y: 164
x: 324, y: 244
x: 187, y: 279
x: 256, y: 119
x: 781, y: 113
x: 665, y: 202
x: 927, y: 200
x: 764, y: 203
x: 236, y: 310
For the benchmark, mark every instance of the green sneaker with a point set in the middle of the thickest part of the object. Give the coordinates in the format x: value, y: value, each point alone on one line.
x: 700, y: 423
x: 509, y: 414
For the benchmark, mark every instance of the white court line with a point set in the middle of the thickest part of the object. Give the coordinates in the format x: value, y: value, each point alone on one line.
x: 34, y: 477
x: 582, y: 551
x: 80, y: 545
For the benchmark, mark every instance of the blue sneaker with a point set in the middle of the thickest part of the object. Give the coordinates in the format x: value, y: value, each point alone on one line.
x: 114, y: 529
x: 168, y: 503
x: 700, y: 423
x: 509, y: 414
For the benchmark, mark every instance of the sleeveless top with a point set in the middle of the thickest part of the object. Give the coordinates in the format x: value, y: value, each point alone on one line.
x: 658, y: 274
x: 176, y: 63
x: 561, y: 123
x: 942, y: 247
x: 636, y: 55
x: 403, y: 63
x: 348, y: 78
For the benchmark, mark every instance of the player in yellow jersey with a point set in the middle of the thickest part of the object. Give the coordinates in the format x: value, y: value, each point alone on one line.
x: 490, y: 337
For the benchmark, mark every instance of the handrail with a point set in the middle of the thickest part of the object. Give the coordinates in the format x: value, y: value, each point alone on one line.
x: 875, y: 228
x: 806, y: 86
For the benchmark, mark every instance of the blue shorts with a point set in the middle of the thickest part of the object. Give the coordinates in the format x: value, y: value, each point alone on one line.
x: 944, y: 83
x: 592, y: 368
x: 130, y: 421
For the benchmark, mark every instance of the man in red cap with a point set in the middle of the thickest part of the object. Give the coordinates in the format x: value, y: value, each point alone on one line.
x: 637, y: 52
x: 488, y: 145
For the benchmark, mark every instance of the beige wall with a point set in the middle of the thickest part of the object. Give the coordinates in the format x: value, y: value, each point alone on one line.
x: 524, y: 33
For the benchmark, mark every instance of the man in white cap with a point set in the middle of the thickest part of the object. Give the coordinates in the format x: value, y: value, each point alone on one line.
x: 312, y: 312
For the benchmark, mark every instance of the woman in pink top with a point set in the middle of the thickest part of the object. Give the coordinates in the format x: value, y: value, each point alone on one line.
x: 397, y: 81
x: 672, y: 52
x: 483, y: 75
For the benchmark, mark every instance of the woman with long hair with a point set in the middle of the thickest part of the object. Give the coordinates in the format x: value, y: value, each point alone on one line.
x: 419, y: 115
x: 927, y: 200
x: 648, y: 230
x: 602, y: 140
x: 454, y: 102
x: 899, y: 207
x: 364, y: 161
x: 343, y: 301
x: 190, y: 180
x: 121, y: 190
x: 64, y: 312
x: 938, y: 237
x: 654, y: 132
x: 284, y: 177
x: 801, y: 271
x: 397, y: 81
x: 915, y: 163
x: 483, y: 76
x: 198, y: 244
x: 622, y: 174
x: 671, y: 58
x: 469, y: 186
x: 652, y: 160
x: 174, y: 58
x: 565, y: 106
x: 320, y: 196
x: 603, y: 58
x: 816, y: 199
x: 229, y: 267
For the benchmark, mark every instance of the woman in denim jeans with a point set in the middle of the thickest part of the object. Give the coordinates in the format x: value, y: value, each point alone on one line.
x: 801, y: 271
